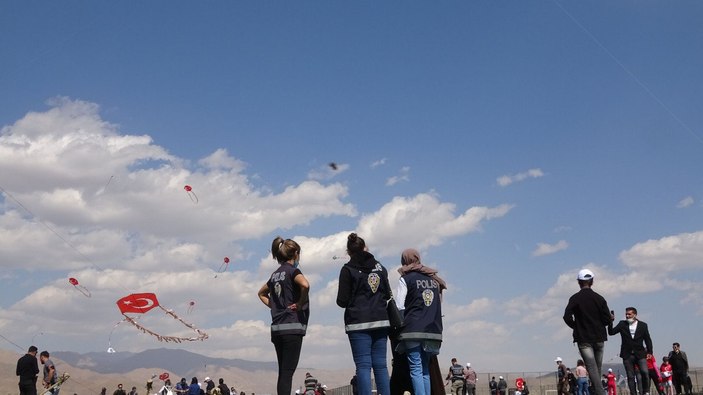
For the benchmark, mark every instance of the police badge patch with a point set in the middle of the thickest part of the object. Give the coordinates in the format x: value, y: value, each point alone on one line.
x: 374, y: 280
x: 277, y: 289
x: 427, y: 297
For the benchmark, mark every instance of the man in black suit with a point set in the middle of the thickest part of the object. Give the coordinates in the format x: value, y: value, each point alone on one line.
x: 28, y: 369
x: 636, y: 347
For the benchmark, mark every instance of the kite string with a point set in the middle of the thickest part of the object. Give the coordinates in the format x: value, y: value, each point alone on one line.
x: 57, y: 234
x: 11, y: 342
x: 630, y: 73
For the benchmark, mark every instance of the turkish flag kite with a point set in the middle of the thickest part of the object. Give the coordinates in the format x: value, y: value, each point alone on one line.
x: 137, y: 303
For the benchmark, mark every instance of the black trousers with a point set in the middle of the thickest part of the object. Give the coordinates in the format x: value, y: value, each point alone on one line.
x: 28, y: 387
x: 288, y: 354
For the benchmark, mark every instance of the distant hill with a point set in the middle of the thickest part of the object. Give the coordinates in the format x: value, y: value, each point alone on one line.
x: 173, y: 360
x: 91, y: 371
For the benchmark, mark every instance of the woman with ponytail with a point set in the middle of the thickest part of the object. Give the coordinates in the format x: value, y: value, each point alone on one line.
x: 286, y: 294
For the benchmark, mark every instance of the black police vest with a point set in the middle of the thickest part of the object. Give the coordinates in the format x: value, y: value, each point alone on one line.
x: 367, y: 308
x: 282, y: 293
x: 457, y: 372
x: 423, y: 308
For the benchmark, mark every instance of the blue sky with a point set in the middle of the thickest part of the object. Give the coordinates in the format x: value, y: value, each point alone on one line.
x: 513, y: 143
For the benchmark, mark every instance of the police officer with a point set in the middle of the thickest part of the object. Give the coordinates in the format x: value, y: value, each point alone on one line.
x: 456, y: 375
x: 421, y: 335
x: 286, y: 294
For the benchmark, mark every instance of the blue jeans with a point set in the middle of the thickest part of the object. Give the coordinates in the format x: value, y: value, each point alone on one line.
x: 582, y: 383
x: 419, y: 363
x: 369, y: 350
x: 592, y: 355
x: 643, y: 375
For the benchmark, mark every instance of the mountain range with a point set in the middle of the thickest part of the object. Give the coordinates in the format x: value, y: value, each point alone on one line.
x: 173, y: 360
x: 92, y: 371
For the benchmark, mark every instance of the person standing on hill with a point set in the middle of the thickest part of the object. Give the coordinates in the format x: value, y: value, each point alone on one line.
x: 456, y: 375
x: 562, y: 377
x: 469, y: 380
x: 50, y: 373
x: 364, y: 293
x: 27, y: 370
x: 581, y: 378
x: 310, y: 384
x: 612, y: 389
x: 420, y: 289
x: 493, y: 386
x: 224, y: 389
x: 286, y: 294
x: 587, y: 313
x: 502, y: 385
x: 636, y: 347
x: 666, y: 370
x: 679, y: 366
x: 194, y: 387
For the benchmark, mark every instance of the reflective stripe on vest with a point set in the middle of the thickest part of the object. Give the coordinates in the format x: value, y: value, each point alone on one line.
x: 420, y: 336
x: 367, y: 325
x: 288, y: 327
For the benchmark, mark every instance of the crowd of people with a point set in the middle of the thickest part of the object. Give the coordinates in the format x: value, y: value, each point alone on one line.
x: 182, y: 387
x: 369, y: 306
x: 592, y: 321
x: 28, y: 372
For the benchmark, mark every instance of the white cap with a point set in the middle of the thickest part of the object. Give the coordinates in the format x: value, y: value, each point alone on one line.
x: 585, y: 274
x: 468, y: 364
x: 610, y: 370
x: 324, y: 385
x: 500, y: 377
x: 558, y: 359
x: 207, y: 379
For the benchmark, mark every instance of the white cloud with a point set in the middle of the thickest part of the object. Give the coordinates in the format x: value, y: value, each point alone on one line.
x: 404, y: 175
x: 668, y: 254
x: 506, y: 180
x: 685, y: 202
x: 421, y: 221
x: 548, y: 249
x: 57, y: 164
x: 378, y: 163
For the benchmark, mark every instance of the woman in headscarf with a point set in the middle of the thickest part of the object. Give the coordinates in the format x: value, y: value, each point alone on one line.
x: 419, y: 291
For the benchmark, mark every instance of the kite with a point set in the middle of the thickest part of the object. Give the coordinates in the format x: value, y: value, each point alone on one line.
x: 79, y: 287
x: 224, y: 266
x: 191, y: 305
x: 336, y: 257
x: 193, y: 197
x: 141, y: 303
x: 333, y: 166
x: 163, y: 376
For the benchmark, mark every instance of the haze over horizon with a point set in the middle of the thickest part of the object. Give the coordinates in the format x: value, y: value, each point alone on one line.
x: 511, y: 143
